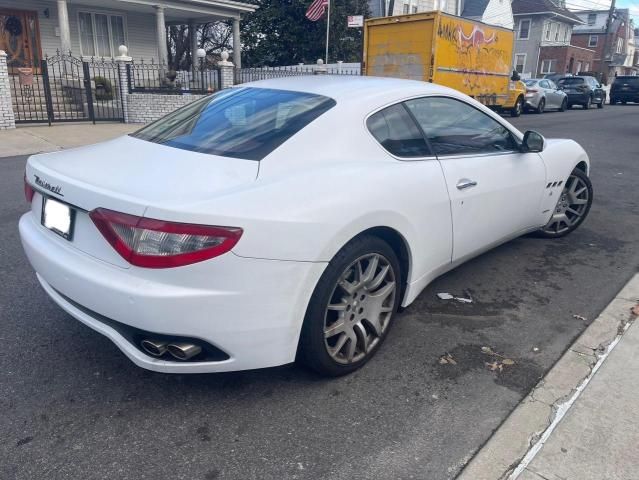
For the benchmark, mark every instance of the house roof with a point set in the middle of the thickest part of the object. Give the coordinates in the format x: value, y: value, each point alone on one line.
x: 474, y: 8
x: 523, y: 7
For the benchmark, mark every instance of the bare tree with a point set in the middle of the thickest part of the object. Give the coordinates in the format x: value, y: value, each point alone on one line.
x: 214, y: 37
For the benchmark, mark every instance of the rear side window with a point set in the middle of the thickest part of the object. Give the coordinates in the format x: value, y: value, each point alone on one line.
x: 530, y: 83
x: 247, y: 123
x: 394, y: 128
x: 571, y: 81
x: 631, y: 81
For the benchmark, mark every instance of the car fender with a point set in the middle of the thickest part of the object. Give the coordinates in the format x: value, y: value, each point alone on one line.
x: 561, y: 157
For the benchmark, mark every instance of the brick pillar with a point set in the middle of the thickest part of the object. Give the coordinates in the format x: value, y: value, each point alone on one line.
x: 227, y: 71
x: 7, y: 118
x: 124, y: 60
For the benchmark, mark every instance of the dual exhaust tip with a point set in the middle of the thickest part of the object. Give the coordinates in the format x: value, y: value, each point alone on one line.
x: 180, y: 350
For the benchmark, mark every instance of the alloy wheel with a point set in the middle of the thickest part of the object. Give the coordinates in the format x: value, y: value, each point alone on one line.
x: 360, y: 308
x: 571, y: 206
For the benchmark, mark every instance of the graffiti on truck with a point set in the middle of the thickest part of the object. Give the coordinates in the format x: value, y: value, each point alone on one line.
x: 476, y: 57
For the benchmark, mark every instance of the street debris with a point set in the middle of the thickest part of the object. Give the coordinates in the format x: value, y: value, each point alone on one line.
x: 447, y: 359
x: 448, y: 296
x: 496, y: 365
x: 536, y: 349
x: 635, y: 310
x: 579, y: 317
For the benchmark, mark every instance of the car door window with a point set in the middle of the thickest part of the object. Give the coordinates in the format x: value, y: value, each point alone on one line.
x: 394, y: 128
x: 544, y: 84
x: 552, y: 85
x: 455, y: 128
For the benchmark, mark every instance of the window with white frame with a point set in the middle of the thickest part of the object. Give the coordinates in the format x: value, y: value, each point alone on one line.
x: 592, y: 18
x: 579, y: 67
x: 414, y: 9
x: 587, y: 67
x: 548, y: 66
x: 547, y: 28
x: 592, y: 40
x: 524, y: 29
x: 520, y: 62
x: 406, y: 6
x: 101, y: 33
x: 567, y: 31
x: 619, y: 45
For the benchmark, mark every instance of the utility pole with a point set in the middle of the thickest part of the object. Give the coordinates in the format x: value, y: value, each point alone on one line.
x: 606, y: 50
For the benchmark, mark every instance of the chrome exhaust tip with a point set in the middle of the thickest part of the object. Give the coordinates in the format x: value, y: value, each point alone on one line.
x: 155, y: 348
x: 184, y: 351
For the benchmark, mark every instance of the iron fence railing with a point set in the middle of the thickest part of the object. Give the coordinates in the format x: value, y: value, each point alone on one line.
x: 152, y: 77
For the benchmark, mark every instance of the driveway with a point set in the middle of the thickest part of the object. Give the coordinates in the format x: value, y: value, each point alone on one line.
x: 72, y: 406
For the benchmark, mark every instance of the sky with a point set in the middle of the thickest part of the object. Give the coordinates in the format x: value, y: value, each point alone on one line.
x: 633, y: 5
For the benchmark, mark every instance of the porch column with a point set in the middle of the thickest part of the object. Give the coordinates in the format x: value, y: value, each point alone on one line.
x: 63, y: 24
x: 237, y: 48
x: 194, y: 47
x: 161, y: 32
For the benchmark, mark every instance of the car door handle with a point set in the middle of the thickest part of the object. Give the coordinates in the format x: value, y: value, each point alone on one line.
x: 465, y: 183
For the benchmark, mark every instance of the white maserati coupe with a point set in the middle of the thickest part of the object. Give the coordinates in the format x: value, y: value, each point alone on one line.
x: 287, y: 219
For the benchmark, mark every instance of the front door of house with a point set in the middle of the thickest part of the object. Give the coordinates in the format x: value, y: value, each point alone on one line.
x: 20, y: 38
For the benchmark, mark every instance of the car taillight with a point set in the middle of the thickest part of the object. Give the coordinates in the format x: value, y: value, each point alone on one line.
x: 29, y: 192
x: 145, y: 242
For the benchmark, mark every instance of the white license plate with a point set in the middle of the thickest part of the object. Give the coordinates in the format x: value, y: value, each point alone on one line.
x: 58, y: 217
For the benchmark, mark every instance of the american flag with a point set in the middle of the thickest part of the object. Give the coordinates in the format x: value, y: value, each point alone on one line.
x: 316, y: 10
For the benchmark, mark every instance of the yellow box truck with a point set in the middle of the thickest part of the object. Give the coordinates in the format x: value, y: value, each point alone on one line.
x: 469, y: 56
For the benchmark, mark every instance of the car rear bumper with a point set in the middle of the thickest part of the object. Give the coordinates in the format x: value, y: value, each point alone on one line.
x: 251, y: 309
x: 577, y: 98
x: 625, y: 96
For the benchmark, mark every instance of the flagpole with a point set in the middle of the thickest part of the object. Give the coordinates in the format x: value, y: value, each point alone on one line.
x: 328, y: 26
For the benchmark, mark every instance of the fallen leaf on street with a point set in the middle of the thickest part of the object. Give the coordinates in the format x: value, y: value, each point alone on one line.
x: 494, y: 366
x: 508, y: 361
x: 579, y: 317
x: 447, y: 358
x: 635, y: 310
x: 487, y: 350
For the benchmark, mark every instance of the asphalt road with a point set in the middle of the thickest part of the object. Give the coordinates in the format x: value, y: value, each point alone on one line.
x: 72, y: 406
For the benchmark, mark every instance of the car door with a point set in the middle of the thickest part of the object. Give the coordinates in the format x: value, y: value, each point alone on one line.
x: 553, y: 97
x: 495, y: 190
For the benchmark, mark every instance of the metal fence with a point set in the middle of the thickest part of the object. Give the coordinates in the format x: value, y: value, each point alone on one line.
x: 151, y: 77
x: 64, y: 88
x: 243, y: 75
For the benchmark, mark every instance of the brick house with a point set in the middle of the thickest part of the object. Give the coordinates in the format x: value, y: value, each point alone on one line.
x: 619, y: 59
x: 543, y: 30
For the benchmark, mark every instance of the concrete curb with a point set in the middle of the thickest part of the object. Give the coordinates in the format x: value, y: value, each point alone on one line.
x: 522, y: 431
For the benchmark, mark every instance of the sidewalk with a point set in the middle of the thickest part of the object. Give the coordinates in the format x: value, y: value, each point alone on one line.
x: 26, y: 140
x: 581, y: 422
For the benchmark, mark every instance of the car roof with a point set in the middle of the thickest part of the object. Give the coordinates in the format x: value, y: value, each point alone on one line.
x: 347, y: 88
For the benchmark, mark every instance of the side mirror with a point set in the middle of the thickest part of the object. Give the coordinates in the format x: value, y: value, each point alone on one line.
x: 533, y: 142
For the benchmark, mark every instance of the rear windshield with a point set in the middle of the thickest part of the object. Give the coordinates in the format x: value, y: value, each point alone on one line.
x: 530, y: 83
x: 571, y: 81
x: 634, y: 81
x: 247, y: 123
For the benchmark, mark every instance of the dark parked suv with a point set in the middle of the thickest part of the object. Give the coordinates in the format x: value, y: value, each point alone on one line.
x: 583, y: 90
x: 624, y: 89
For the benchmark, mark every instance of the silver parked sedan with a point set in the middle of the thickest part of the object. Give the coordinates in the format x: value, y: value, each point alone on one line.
x: 542, y: 93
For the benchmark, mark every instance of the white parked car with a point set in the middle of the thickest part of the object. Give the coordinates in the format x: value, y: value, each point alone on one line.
x: 287, y: 218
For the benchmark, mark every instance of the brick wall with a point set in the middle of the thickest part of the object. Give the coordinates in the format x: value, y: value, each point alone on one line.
x: 7, y: 119
x: 562, y: 55
x: 147, y: 107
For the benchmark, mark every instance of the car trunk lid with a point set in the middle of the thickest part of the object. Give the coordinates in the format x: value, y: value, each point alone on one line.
x: 129, y: 175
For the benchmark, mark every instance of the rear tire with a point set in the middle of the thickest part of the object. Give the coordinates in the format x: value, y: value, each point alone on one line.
x: 572, y: 206
x: 601, y: 104
x: 518, y: 108
x: 352, y: 307
x: 586, y: 106
x: 541, y: 106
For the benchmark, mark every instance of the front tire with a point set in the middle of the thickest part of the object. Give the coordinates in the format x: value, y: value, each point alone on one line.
x: 564, y: 105
x: 572, y: 206
x: 352, y: 307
